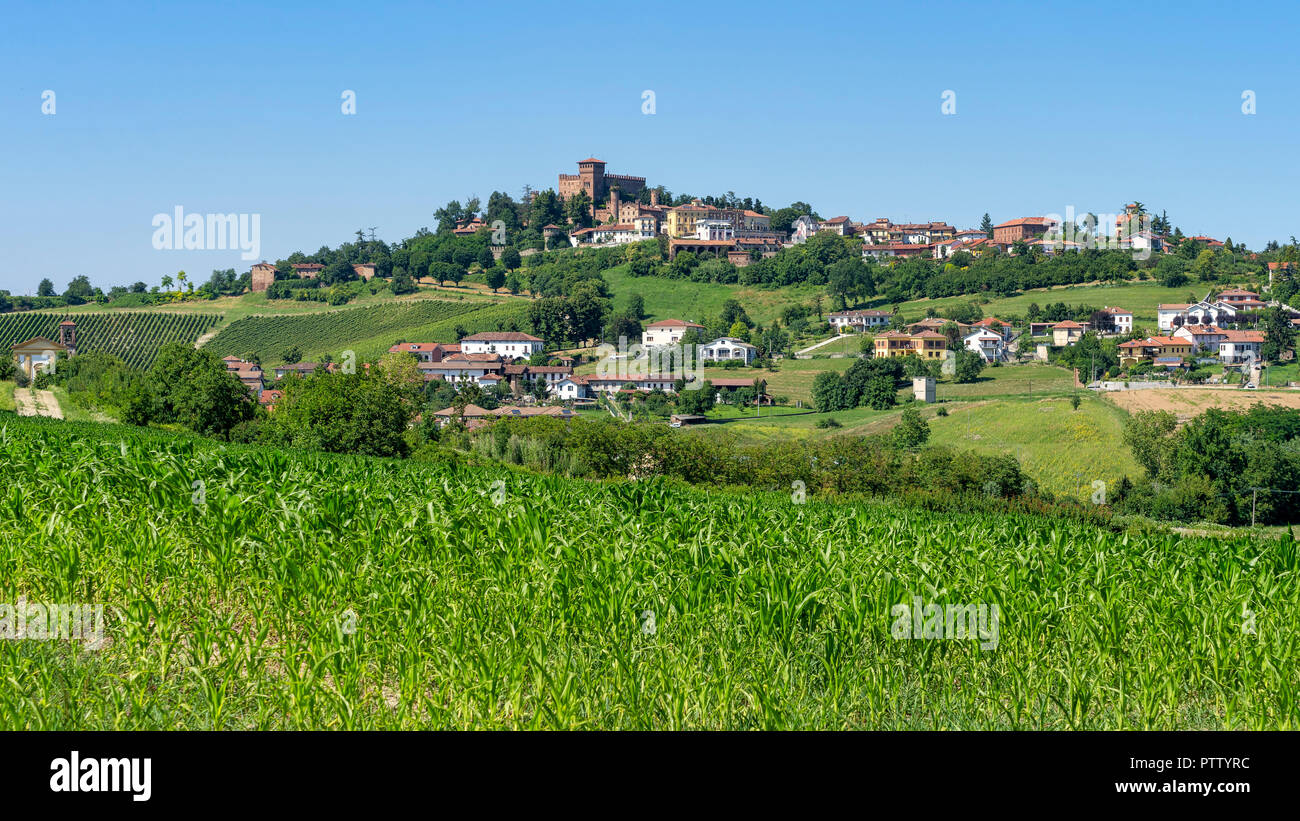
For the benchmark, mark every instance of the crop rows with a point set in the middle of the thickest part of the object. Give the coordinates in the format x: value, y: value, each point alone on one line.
x: 132, y: 337
x: 306, y: 590
x: 369, y: 332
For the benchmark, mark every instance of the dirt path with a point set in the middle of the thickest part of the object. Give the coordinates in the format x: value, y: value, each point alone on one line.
x: 32, y: 402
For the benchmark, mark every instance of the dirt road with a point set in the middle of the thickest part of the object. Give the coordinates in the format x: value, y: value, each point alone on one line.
x: 32, y: 402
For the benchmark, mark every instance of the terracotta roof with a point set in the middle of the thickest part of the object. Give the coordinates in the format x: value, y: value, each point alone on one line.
x: 1068, y: 324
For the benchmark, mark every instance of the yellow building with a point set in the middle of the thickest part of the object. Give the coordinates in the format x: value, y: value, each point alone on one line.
x: 926, y: 344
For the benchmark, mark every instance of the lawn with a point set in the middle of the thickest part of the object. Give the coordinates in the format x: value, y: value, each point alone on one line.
x: 7, y: 397
x: 1008, y: 380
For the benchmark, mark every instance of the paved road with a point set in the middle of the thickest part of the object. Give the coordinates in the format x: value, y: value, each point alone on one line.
x: 32, y: 402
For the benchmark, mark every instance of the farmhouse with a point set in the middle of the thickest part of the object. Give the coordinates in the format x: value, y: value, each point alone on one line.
x: 728, y: 349
x: 1121, y: 321
x: 1067, y: 333
x: 1163, y: 350
x: 248, y: 373
x: 1202, y: 337
x: 858, y: 320
x: 667, y: 332
x: 989, y: 345
x: 507, y: 343
x: 424, y: 351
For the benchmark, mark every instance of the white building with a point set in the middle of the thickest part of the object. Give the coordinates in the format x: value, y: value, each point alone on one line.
x: 726, y: 348
x: 1122, y: 319
x: 1202, y: 337
x: 802, y: 228
x: 510, y: 344
x: 1238, y: 345
x: 859, y: 320
x: 1205, y: 312
x: 714, y: 230
x: 991, y: 346
x: 666, y: 332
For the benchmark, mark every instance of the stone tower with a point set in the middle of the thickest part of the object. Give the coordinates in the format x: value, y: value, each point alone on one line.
x: 68, y: 336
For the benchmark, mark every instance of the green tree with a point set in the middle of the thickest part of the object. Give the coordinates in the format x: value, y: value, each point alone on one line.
x: 342, y: 413
x: 912, y: 430
x: 496, y: 277
x: 968, y: 366
x: 46, y: 288
x: 193, y: 388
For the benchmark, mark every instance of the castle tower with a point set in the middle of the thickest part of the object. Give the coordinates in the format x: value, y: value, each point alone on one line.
x: 613, y: 204
x: 592, y: 173
x: 68, y: 336
x: 654, y: 197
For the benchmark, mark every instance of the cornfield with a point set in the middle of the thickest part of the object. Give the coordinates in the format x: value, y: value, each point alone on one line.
x: 133, y: 337
x: 257, y: 588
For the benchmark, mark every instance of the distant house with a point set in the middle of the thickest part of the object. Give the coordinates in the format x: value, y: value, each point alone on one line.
x: 364, y: 270
x: 1237, y: 346
x: 1120, y: 319
x: 510, y: 344
x: 988, y: 344
x: 859, y: 320
x: 926, y: 344
x: 667, y: 332
x: 423, y: 351
x: 1167, y: 348
x: 296, y: 369
x: 308, y: 270
x: 1206, y: 312
x: 728, y: 349
x: 1202, y: 337
x: 1067, y: 333
x: 262, y: 275
x: 1025, y: 228
x: 998, y: 326
x: 269, y: 398
x: 249, y: 374
x: 801, y: 229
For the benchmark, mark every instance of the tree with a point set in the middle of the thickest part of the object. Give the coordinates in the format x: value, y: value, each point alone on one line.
x: 513, y: 283
x: 880, y: 392
x: 1279, y: 336
x: 292, y: 355
x: 510, y: 258
x: 193, y: 388
x: 912, y: 430
x: 986, y: 225
x: 485, y: 259
x: 968, y: 366
x: 636, y: 305
x: 496, y: 277
x: 78, y: 290
x: 342, y: 413
x: 46, y: 288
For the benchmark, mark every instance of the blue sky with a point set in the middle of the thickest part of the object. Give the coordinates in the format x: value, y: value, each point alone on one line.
x: 228, y: 107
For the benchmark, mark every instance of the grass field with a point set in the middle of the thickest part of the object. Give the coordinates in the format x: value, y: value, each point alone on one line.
x: 696, y: 301
x: 1139, y: 297
x: 369, y: 332
x: 7, y: 397
x: 794, y: 379
x: 312, y: 591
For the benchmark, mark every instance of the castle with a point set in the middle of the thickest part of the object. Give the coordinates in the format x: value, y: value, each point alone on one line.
x: 607, y: 191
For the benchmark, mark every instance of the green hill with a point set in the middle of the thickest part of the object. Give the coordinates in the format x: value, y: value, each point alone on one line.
x: 134, y: 337
x: 370, y: 332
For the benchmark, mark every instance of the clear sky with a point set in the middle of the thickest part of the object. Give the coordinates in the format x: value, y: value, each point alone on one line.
x: 231, y: 108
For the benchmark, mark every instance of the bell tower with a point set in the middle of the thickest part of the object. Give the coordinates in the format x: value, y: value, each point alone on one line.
x: 68, y: 336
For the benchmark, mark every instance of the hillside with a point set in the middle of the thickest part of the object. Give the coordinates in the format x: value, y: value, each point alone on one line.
x: 304, y: 590
x: 368, y: 331
x: 134, y: 336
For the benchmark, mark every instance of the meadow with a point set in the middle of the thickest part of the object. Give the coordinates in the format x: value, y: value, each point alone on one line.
x: 667, y: 298
x: 254, y: 588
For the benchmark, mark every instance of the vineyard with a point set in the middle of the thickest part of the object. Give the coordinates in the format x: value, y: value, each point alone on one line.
x: 256, y: 588
x: 132, y: 337
x: 369, y: 332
